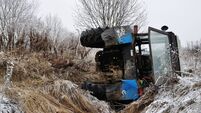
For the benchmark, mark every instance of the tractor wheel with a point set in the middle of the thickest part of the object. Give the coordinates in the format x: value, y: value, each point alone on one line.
x: 92, y: 38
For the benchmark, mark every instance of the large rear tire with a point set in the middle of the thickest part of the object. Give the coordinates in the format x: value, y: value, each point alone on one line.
x: 92, y: 38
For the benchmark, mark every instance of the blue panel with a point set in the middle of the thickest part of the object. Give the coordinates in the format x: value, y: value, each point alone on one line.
x: 125, y: 39
x: 129, y: 90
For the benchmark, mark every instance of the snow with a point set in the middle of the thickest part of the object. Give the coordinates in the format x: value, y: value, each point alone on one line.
x: 7, y: 106
x: 183, y: 97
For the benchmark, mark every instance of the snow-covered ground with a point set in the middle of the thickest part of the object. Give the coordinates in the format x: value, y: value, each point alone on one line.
x: 183, y: 97
x: 7, y: 106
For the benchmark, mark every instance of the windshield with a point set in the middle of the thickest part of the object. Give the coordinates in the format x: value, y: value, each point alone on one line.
x: 160, y: 54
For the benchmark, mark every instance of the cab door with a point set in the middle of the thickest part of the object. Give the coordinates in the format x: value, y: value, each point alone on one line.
x: 161, y: 47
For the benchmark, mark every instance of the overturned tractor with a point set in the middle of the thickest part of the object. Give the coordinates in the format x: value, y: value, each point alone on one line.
x: 130, y: 60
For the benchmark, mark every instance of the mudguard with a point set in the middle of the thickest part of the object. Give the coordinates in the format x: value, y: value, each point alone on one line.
x: 129, y: 89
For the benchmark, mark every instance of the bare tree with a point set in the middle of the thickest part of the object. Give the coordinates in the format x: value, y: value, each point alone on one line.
x: 102, y: 13
x: 15, y: 16
x: 53, y: 26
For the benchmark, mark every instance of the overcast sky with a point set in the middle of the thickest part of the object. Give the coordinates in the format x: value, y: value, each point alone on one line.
x: 182, y: 16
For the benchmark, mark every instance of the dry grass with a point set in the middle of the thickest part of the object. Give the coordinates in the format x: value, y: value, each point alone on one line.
x: 36, y: 102
x: 40, y: 88
x: 68, y: 94
x: 144, y: 101
x: 34, y: 67
x: 57, y: 97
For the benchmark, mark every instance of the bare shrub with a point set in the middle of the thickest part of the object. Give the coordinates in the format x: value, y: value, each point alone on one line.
x: 15, y: 16
x: 191, y: 57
